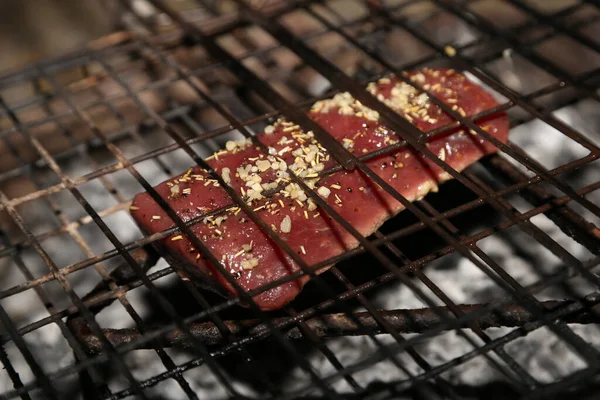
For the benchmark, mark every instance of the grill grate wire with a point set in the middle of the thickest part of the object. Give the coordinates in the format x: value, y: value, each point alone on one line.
x: 528, y: 312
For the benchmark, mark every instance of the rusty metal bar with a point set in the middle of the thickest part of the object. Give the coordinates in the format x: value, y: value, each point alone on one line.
x: 339, y: 324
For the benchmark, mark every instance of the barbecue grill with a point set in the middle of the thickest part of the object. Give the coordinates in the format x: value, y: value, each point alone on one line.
x: 486, y: 288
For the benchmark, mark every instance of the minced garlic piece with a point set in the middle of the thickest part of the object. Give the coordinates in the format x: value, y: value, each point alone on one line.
x: 442, y: 155
x: 323, y: 191
x: 249, y: 264
x: 263, y: 165
x: 225, y: 173
x: 286, y: 225
x: 230, y: 145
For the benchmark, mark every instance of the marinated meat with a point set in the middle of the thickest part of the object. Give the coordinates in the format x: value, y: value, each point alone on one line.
x: 251, y: 257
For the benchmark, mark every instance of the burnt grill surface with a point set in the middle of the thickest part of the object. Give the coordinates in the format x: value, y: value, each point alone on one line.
x: 487, y: 288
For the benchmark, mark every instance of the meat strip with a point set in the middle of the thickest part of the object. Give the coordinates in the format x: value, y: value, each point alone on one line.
x: 249, y: 255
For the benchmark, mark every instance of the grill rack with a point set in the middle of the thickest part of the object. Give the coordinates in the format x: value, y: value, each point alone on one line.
x: 527, y: 312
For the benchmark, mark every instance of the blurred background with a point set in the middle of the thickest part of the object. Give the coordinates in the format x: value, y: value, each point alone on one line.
x: 31, y: 30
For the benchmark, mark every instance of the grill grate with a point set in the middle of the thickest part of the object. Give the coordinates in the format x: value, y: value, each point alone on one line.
x: 84, y: 132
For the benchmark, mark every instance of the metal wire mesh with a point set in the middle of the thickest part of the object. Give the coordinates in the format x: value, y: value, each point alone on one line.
x: 81, y: 134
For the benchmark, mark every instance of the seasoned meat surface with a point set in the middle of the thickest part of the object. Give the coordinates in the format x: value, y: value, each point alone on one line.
x: 255, y: 260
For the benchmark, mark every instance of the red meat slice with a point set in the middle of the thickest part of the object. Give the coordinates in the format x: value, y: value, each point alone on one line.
x: 255, y: 260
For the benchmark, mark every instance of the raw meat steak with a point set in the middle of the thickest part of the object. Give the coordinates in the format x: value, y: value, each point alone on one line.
x: 246, y: 252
